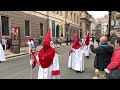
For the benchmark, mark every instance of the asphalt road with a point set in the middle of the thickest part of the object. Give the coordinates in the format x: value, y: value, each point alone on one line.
x: 19, y: 67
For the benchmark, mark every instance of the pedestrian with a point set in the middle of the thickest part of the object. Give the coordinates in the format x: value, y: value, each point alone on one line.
x: 40, y: 41
x: 93, y: 38
x: 57, y: 41
x: 103, y: 56
x: 115, y: 60
x: 98, y: 40
x: 76, y: 56
x: 60, y: 41
x: 48, y: 60
x: 3, y: 43
x: 70, y: 40
x: 11, y: 46
x: 30, y: 45
x: 35, y: 43
x: 2, y: 56
x: 112, y: 38
x: 87, y: 46
x: 8, y: 43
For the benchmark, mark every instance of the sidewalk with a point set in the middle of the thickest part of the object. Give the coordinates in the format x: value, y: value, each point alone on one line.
x: 24, y: 51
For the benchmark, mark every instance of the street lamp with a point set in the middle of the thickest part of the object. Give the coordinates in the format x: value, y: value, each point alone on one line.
x: 109, y: 24
x: 67, y: 25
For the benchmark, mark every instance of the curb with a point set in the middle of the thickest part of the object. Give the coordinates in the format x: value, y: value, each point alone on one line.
x: 27, y: 53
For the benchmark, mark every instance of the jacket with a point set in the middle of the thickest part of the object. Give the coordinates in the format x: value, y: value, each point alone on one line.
x: 113, y: 38
x: 115, y: 60
x: 103, y: 56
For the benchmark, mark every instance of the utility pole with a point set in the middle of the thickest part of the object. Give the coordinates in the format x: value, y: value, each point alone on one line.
x: 109, y: 23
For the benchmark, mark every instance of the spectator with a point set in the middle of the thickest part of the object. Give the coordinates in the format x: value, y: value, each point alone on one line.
x: 115, y: 60
x: 93, y: 38
x: 57, y: 41
x: 40, y: 41
x: 98, y: 40
x: 11, y: 46
x: 60, y: 41
x: 113, y: 37
x: 3, y: 43
x: 103, y: 56
x: 70, y: 40
x: 35, y: 43
x: 8, y: 43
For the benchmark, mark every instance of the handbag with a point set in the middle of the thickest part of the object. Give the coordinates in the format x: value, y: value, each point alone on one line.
x: 114, y: 74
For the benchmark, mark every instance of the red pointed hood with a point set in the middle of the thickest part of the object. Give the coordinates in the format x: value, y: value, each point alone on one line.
x: 47, y: 40
x: 76, y: 44
x: 47, y: 53
x: 76, y: 38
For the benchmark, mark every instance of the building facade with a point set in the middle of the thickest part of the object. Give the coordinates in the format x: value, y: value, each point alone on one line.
x: 32, y: 24
x: 115, y: 19
x: 98, y: 29
x: 72, y: 23
x: 29, y: 23
x: 85, y: 23
x: 57, y: 24
x: 93, y: 25
x: 104, y: 23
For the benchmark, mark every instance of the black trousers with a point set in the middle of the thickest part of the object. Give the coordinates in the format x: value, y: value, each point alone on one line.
x: 3, y: 47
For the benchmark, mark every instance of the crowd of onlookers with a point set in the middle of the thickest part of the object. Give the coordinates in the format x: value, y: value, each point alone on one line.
x: 107, y: 59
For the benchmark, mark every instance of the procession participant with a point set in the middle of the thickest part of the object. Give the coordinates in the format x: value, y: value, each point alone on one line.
x: 76, y: 56
x: 2, y: 56
x: 48, y: 61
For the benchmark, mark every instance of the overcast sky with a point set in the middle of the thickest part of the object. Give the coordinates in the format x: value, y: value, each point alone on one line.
x: 98, y: 14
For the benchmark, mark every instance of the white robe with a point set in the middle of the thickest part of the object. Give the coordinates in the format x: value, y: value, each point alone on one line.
x: 2, y: 56
x: 46, y: 73
x: 76, y: 60
x: 87, y: 50
x: 30, y: 45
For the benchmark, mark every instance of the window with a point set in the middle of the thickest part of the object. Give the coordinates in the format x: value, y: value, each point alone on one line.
x: 71, y: 15
x: 66, y: 14
x: 5, y: 25
x: 80, y: 15
x: 74, y: 31
x: 60, y: 12
x: 74, y: 17
x: 27, y: 28
x: 41, y: 29
x: 57, y: 12
x: 81, y: 24
x: 77, y: 19
x: 53, y: 11
x: 53, y: 28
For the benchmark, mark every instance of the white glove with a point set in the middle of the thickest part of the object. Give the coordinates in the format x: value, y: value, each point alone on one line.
x: 31, y: 62
x: 106, y: 70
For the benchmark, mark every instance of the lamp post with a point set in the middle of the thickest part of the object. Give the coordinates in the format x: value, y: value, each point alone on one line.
x: 109, y: 24
x: 67, y: 25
